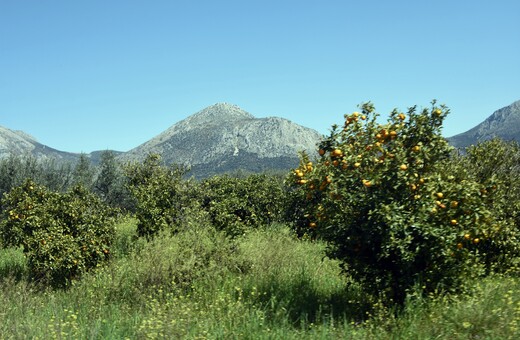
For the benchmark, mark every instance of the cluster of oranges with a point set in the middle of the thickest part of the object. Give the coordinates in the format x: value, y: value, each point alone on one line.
x: 442, y: 203
x: 300, y: 173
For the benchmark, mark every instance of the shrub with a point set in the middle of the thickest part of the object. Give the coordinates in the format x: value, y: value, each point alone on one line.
x: 161, y: 195
x: 61, y: 234
x: 236, y: 204
x: 496, y: 164
x: 393, y: 208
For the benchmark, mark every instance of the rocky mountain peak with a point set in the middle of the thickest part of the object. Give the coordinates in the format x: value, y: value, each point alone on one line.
x: 219, y: 113
x: 223, y: 137
x: 503, y: 123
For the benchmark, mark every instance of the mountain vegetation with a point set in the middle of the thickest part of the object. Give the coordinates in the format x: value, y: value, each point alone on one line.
x: 382, y: 231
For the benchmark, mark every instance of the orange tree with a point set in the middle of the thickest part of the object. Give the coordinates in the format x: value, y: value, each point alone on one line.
x: 62, y: 234
x: 393, y: 208
x: 496, y: 163
x: 161, y: 195
x: 236, y: 205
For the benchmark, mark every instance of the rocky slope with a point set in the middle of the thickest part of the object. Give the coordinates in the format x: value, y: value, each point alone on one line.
x: 20, y: 143
x: 503, y: 123
x: 223, y: 138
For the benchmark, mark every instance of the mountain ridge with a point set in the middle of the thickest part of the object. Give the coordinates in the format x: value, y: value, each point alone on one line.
x: 504, y: 123
x: 21, y: 143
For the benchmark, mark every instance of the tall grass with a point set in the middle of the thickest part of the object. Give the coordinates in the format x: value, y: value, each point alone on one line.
x: 266, y: 284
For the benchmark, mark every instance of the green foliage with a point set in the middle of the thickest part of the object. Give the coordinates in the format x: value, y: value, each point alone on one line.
x: 62, y: 235
x: 496, y: 164
x: 109, y: 184
x: 161, y: 195
x: 237, y: 204
x: 233, y: 290
x: 83, y: 172
x: 12, y: 264
x: 14, y: 170
x: 394, y: 210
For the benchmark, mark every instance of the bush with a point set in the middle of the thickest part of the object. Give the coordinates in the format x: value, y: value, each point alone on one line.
x: 162, y: 196
x: 496, y: 164
x: 237, y: 204
x: 393, y: 207
x: 62, y: 235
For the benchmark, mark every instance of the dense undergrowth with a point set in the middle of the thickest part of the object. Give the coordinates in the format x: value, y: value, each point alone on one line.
x: 265, y: 284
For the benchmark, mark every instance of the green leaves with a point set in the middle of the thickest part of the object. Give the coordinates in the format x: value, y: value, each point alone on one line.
x: 393, y: 205
x: 63, y: 235
x: 237, y: 204
x: 160, y: 193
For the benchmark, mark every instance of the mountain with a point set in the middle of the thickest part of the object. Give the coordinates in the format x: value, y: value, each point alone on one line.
x: 20, y: 143
x: 503, y: 123
x: 223, y: 138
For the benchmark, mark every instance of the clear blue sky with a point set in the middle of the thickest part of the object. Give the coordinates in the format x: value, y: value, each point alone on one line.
x: 94, y: 75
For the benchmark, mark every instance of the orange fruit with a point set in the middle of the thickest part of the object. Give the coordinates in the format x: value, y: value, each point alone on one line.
x: 337, y: 153
x: 403, y: 167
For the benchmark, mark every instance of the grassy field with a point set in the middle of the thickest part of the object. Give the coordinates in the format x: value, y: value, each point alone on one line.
x: 264, y: 285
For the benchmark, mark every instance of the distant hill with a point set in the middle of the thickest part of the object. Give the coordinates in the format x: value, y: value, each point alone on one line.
x: 20, y: 143
x: 225, y: 138
x: 503, y: 123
